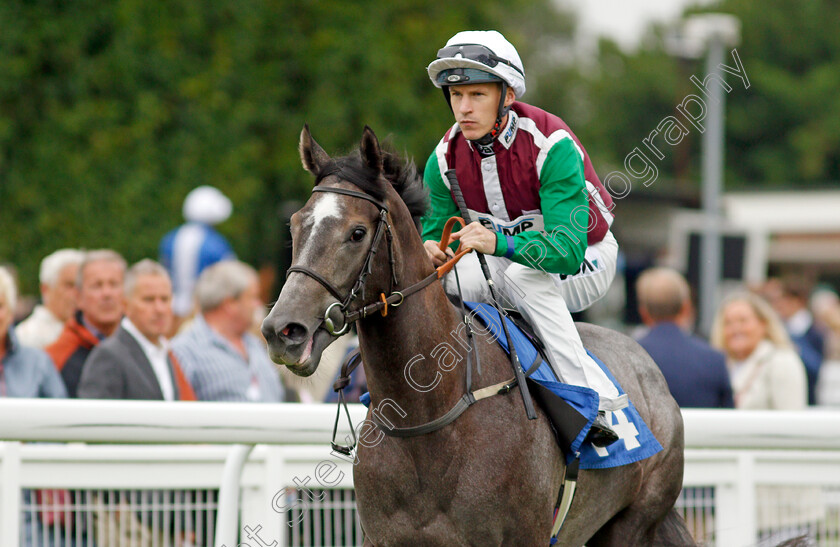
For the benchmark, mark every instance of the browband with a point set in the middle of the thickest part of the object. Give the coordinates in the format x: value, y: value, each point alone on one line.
x: 354, y: 193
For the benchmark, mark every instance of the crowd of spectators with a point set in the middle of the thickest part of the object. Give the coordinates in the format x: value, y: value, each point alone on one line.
x: 185, y: 327
x: 767, y: 352
x: 772, y: 346
x: 107, y: 330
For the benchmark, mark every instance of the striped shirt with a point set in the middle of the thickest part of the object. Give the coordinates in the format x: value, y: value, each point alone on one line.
x: 218, y: 372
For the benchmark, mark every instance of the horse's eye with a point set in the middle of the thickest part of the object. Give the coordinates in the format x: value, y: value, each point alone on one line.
x: 358, y: 234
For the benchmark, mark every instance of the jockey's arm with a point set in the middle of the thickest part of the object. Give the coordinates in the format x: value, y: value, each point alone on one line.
x: 557, y: 249
x: 565, y: 208
x: 441, y: 208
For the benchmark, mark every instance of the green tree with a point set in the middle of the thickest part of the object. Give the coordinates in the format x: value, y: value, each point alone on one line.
x: 783, y: 130
x: 110, y: 112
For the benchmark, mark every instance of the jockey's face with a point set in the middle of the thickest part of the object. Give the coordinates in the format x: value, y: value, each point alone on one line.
x: 475, y: 107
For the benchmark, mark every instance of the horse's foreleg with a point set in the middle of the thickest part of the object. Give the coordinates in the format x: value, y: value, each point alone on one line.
x: 626, y: 528
x: 633, y: 527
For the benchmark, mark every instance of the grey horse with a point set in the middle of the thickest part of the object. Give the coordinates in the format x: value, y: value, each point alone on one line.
x: 491, y: 477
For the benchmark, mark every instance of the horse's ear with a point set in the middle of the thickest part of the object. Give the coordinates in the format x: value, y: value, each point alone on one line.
x: 312, y: 155
x: 371, y: 153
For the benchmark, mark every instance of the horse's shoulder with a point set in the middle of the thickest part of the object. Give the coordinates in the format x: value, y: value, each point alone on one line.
x: 597, y: 338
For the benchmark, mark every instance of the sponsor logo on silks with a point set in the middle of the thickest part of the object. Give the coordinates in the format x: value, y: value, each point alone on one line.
x: 485, y: 149
x: 510, y: 228
x: 511, y: 130
x: 585, y: 266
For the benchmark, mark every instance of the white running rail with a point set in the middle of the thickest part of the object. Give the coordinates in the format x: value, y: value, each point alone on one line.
x: 730, y: 457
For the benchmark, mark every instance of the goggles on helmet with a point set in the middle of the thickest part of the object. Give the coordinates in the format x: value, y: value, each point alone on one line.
x: 460, y: 76
x: 475, y: 52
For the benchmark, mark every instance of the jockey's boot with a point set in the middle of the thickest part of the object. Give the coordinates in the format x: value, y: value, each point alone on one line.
x: 601, y: 433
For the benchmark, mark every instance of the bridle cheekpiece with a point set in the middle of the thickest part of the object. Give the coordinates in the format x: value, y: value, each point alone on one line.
x: 358, y: 289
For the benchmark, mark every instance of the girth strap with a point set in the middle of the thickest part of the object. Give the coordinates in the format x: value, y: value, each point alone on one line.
x: 463, y: 404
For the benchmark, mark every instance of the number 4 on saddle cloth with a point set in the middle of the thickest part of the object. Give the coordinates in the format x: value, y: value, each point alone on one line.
x: 571, y: 409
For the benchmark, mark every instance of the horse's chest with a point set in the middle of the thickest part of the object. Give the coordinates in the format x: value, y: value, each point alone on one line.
x: 428, y: 478
x: 440, y: 493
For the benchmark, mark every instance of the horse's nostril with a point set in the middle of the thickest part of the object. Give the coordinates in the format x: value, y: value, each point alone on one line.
x: 294, y: 333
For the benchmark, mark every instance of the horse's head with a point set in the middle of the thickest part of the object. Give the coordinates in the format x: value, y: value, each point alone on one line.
x: 341, y: 245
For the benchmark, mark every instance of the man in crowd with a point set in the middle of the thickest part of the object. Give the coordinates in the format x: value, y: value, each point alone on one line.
x: 58, y: 296
x: 100, y: 309
x: 789, y: 297
x: 696, y: 373
x: 135, y: 362
x: 222, y: 360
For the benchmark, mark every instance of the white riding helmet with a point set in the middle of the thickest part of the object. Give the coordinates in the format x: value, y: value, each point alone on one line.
x: 470, y: 53
x: 207, y: 205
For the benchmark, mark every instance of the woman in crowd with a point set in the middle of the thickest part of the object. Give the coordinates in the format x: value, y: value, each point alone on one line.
x: 24, y: 371
x: 767, y: 374
x: 27, y: 372
x: 765, y: 371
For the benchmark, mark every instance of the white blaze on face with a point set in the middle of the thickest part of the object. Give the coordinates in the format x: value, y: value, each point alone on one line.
x: 329, y: 206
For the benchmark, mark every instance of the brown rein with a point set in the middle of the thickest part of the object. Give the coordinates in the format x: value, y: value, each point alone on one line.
x: 395, y: 299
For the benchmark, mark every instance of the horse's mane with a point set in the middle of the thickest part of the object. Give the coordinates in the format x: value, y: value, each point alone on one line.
x: 399, y: 171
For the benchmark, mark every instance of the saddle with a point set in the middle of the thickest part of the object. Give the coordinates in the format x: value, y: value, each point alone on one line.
x: 570, y: 412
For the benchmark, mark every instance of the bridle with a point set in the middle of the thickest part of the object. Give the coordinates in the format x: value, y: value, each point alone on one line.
x: 395, y: 297
x: 358, y: 289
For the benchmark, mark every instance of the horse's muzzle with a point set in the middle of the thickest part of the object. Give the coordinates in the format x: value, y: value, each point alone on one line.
x: 295, y: 345
x: 285, y: 342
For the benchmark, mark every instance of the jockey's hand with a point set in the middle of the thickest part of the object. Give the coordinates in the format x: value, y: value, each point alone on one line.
x: 475, y: 236
x: 438, y: 257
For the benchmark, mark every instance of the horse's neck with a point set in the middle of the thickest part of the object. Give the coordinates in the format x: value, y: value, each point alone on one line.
x: 405, y: 339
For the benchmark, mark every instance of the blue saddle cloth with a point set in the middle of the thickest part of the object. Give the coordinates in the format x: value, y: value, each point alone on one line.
x: 636, y: 442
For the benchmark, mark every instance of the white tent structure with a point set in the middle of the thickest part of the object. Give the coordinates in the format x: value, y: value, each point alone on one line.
x: 794, y: 229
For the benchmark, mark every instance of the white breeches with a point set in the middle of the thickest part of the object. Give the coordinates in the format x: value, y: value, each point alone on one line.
x: 545, y: 301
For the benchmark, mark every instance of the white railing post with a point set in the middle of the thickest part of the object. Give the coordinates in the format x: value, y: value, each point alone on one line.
x: 276, y: 480
x: 10, y: 493
x: 227, y: 527
x: 261, y: 523
x: 747, y: 499
x: 734, y: 485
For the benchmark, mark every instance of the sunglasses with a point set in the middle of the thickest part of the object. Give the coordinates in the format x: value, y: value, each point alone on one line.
x: 475, y: 52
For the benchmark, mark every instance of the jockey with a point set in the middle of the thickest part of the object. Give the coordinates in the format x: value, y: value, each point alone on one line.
x: 543, y: 214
